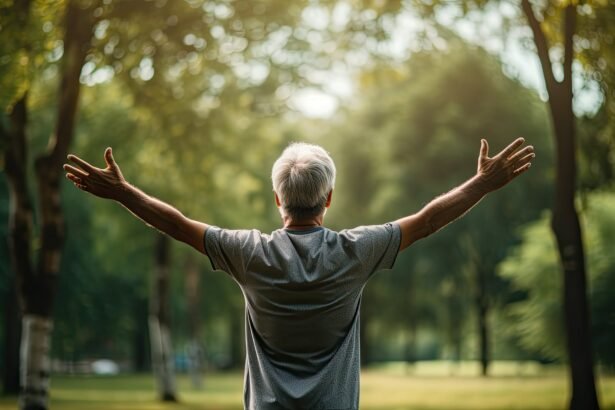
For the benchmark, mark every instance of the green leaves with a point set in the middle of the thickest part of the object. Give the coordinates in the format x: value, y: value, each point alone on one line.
x: 534, y: 269
x: 28, y: 33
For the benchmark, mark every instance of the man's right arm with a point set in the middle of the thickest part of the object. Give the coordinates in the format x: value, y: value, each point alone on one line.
x: 163, y: 217
x: 492, y: 174
x: 109, y: 183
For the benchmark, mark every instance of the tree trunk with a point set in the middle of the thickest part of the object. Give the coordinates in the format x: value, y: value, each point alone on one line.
x: 140, y: 354
x: 483, y: 331
x: 565, y: 220
x: 565, y: 225
x: 160, y: 334
x: 12, y: 337
x: 34, y: 343
x: 35, y: 364
x: 37, y: 285
x: 19, y: 227
x: 195, y: 349
x: 482, y: 315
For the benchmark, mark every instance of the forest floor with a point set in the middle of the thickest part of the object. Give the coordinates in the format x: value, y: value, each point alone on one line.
x: 393, y: 387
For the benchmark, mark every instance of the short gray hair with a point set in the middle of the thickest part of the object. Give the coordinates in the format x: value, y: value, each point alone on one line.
x: 302, y: 177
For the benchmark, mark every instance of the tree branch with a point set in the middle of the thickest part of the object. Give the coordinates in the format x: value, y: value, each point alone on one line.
x: 570, y: 17
x: 542, y: 47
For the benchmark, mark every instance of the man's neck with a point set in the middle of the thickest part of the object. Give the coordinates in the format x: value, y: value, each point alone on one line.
x: 302, y: 224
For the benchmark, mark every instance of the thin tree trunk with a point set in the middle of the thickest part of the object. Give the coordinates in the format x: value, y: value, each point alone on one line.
x: 160, y: 334
x: 12, y: 337
x: 195, y: 349
x: 482, y: 311
x: 483, y: 331
x: 565, y: 220
x: 140, y: 354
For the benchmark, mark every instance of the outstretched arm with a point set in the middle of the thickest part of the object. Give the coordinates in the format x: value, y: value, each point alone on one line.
x: 109, y: 183
x: 492, y: 174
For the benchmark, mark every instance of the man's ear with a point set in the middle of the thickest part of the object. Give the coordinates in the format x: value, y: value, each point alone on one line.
x: 277, y: 200
x: 328, y: 204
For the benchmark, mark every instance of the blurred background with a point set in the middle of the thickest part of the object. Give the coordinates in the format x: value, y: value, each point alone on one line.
x: 199, y: 97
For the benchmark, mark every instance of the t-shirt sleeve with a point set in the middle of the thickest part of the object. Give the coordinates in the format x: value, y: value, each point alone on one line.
x: 376, y: 246
x: 230, y: 250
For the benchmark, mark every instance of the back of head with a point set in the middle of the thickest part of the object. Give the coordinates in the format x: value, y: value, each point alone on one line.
x: 302, y: 177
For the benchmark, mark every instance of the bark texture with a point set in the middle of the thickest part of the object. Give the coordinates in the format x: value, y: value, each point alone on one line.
x: 36, y: 282
x: 565, y: 220
x: 160, y: 334
x: 35, y: 364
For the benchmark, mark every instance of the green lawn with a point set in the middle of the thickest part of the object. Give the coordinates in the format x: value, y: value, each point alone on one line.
x: 424, y: 388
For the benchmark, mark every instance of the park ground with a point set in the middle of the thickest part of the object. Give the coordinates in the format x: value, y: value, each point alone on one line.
x: 393, y: 387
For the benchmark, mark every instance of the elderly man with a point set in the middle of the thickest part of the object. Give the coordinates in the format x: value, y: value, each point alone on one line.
x: 303, y: 283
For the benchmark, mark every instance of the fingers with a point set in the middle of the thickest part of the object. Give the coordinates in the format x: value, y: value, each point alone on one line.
x: 507, y: 152
x: 524, y: 160
x: 484, y: 148
x: 86, y: 166
x: 75, y: 179
x: 109, y: 158
x: 74, y: 170
x: 522, y: 169
x: 78, y: 182
x: 522, y: 153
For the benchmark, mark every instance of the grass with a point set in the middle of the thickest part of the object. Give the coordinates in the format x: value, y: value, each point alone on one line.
x: 424, y: 387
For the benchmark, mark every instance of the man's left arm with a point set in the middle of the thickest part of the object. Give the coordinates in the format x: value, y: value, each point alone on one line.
x: 109, y: 183
x: 492, y: 174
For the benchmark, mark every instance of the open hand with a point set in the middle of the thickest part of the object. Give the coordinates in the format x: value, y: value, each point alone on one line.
x: 104, y: 183
x: 505, y: 166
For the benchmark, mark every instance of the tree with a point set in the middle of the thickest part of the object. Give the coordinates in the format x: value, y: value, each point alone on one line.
x: 565, y: 220
x: 160, y: 333
x: 550, y: 32
x: 37, y: 283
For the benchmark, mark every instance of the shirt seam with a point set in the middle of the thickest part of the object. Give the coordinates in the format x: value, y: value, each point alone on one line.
x: 207, y: 252
x: 398, y: 227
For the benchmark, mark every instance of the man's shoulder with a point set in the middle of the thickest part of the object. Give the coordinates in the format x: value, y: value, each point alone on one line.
x: 234, y: 235
x: 375, y: 229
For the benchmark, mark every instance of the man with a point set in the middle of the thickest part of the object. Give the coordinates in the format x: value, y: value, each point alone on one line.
x: 302, y: 284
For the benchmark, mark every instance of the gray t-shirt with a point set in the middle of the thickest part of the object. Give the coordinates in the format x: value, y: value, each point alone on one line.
x: 302, y: 292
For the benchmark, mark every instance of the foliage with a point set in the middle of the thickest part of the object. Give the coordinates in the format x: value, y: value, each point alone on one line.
x: 420, y: 140
x: 533, y: 266
x: 29, y: 36
x: 193, y: 96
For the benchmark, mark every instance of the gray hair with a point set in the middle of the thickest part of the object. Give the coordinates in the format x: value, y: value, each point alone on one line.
x: 302, y: 177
